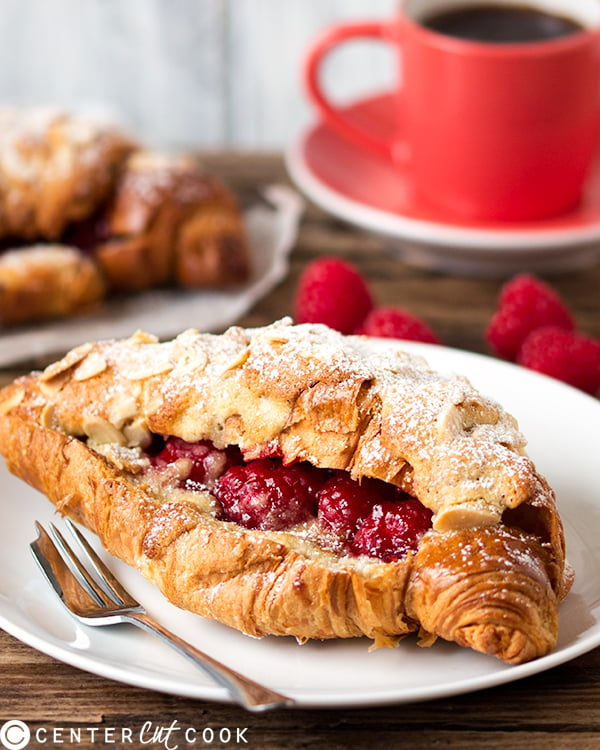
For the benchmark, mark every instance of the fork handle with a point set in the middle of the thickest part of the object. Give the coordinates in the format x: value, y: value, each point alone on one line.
x: 251, y: 695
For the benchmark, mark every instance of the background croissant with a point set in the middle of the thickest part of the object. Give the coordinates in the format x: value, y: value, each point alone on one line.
x: 131, y: 219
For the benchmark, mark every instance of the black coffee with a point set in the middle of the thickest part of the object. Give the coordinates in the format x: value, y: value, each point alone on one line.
x: 501, y: 24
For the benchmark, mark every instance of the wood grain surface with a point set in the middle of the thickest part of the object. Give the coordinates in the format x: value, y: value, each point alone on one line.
x: 557, y: 709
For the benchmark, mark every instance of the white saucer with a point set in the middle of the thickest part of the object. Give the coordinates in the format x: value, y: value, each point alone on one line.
x: 371, y: 193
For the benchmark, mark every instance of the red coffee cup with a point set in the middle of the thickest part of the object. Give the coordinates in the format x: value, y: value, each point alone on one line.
x: 488, y: 130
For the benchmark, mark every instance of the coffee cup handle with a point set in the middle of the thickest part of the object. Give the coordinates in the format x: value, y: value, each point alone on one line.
x: 319, y: 49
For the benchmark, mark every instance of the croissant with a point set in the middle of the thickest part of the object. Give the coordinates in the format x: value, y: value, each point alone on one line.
x: 136, y: 219
x: 288, y: 480
x: 47, y: 280
x: 170, y: 221
x: 55, y: 168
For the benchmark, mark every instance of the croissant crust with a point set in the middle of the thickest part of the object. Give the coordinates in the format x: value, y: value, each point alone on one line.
x: 488, y: 575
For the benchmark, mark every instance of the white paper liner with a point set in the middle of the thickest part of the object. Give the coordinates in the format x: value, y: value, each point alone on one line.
x: 272, y: 229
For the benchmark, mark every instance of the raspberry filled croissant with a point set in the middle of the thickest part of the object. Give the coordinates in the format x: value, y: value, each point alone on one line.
x: 292, y: 481
x: 169, y: 221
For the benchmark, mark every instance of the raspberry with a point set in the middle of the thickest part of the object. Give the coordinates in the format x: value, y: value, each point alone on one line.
x: 567, y: 356
x: 265, y: 494
x: 89, y: 233
x: 525, y: 303
x: 396, y: 323
x: 332, y: 292
x: 344, y: 503
x: 207, y: 462
x: 392, y: 529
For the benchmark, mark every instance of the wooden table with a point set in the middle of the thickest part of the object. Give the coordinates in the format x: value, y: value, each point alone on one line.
x: 558, y: 709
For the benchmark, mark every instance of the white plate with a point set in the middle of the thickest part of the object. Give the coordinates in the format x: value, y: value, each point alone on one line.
x: 374, y: 194
x: 563, y: 427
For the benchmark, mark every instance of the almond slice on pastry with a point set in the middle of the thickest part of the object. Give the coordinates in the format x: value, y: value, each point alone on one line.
x: 288, y: 480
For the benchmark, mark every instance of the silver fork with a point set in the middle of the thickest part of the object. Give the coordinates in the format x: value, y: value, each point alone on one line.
x: 99, y: 599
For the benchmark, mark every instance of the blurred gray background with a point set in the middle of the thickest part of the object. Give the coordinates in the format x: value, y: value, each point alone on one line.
x: 186, y: 73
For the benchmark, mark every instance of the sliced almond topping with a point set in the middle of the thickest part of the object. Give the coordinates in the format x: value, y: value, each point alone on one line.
x: 196, y: 360
x: 47, y: 416
x: 466, y: 516
x: 66, y: 363
x: 51, y: 388
x: 137, y: 434
x: 278, y: 339
x: 188, y: 353
x: 147, y: 366
x: 122, y: 409
x: 237, y: 361
x: 125, y: 459
x: 449, y: 422
x: 12, y: 401
x: 102, y: 431
x: 92, y: 365
x: 142, y: 337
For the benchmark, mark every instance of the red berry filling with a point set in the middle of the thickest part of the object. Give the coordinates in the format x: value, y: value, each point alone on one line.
x: 343, y: 504
x: 207, y: 463
x: 267, y: 495
x: 392, y: 528
x: 90, y: 232
x: 372, y: 518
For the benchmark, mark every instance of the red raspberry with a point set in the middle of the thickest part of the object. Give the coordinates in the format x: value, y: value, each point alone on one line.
x: 525, y: 303
x: 88, y: 233
x: 396, y: 323
x: 265, y: 494
x: 567, y: 356
x: 392, y: 529
x: 344, y: 503
x: 332, y: 292
x: 208, y: 462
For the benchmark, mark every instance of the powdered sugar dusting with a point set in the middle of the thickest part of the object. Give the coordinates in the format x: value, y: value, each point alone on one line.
x: 24, y: 138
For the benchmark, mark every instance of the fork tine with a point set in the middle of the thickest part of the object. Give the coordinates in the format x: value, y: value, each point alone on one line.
x: 60, y: 576
x: 78, y: 569
x: 111, y: 585
x: 41, y: 548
